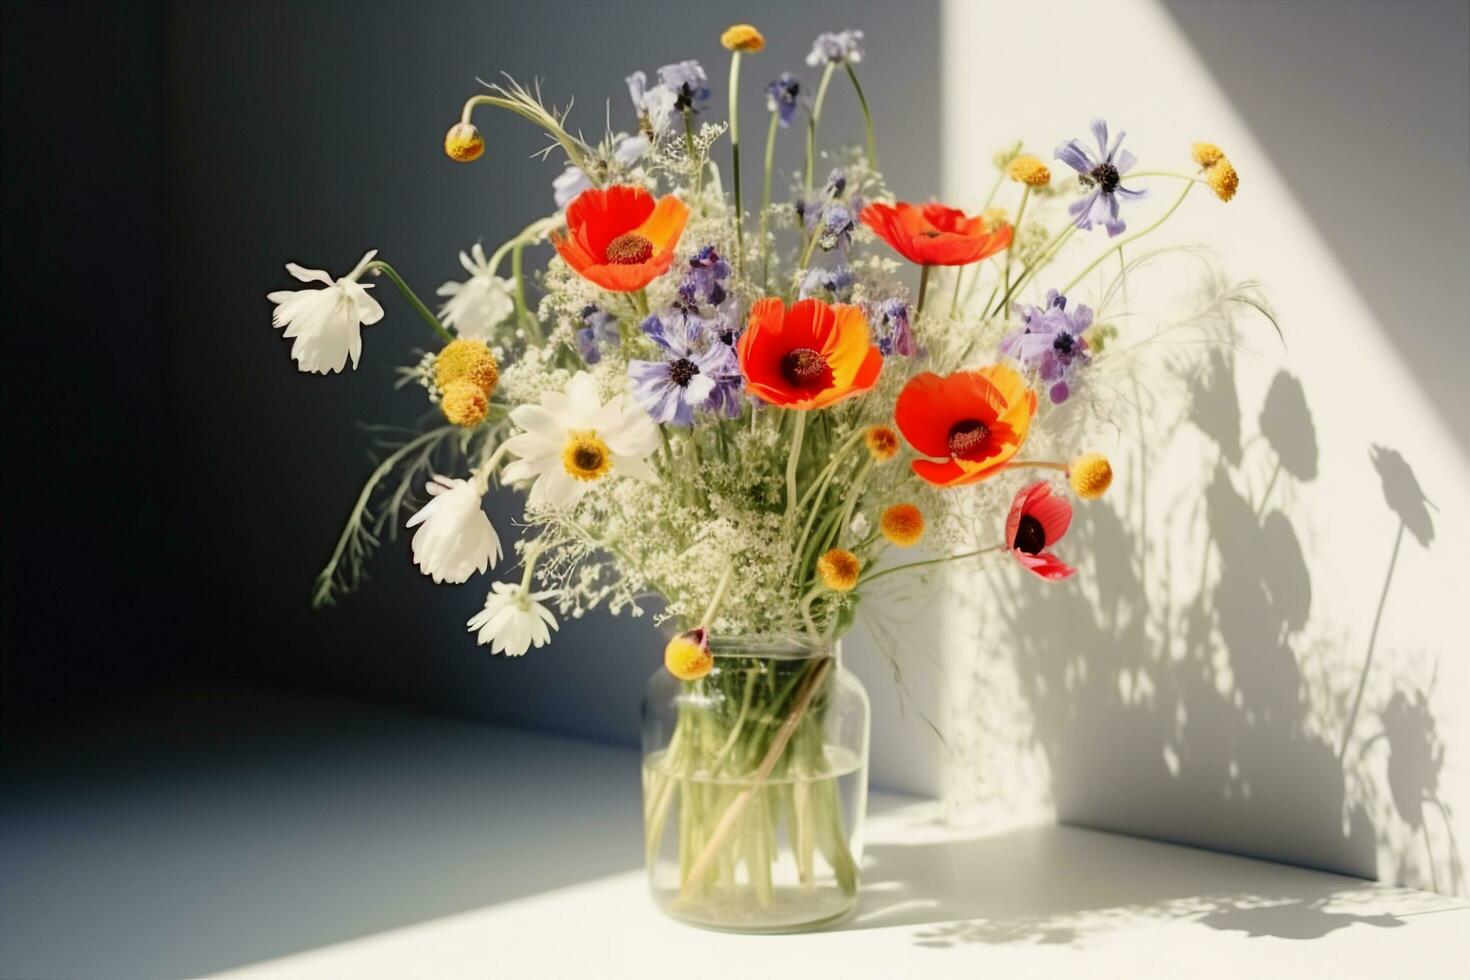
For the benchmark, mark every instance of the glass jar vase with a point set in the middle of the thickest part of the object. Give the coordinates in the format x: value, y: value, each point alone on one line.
x: 755, y: 786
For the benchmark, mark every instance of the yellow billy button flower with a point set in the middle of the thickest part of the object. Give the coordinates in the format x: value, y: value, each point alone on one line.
x: 839, y: 570
x: 464, y: 143
x: 687, y: 656
x: 742, y: 37
x: 464, y: 403
x: 882, y: 443
x: 903, y: 525
x: 1029, y: 170
x: 1206, y: 154
x: 467, y: 360
x: 1224, y: 181
x: 586, y: 457
x: 1090, y: 475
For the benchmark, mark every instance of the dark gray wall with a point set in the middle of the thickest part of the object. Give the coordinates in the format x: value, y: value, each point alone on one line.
x: 87, y: 589
x: 312, y: 131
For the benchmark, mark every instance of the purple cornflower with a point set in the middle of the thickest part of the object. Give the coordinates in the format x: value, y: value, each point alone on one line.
x: 838, y: 47
x: 704, y: 282
x: 892, y: 330
x: 689, y: 84
x: 782, y: 97
x: 837, y: 228
x: 697, y: 371
x: 1050, y: 342
x: 835, y: 283
x: 1102, y: 176
x: 600, y: 330
x: 654, y: 105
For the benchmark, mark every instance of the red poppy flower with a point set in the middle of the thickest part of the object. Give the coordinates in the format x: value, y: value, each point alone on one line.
x: 619, y: 238
x: 1037, y: 521
x: 976, y: 419
x: 933, y: 234
x: 809, y: 356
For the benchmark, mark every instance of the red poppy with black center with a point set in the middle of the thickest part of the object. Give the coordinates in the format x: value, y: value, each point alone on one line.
x: 620, y: 238
x: 974, y: 422
x: 808, y: 356
x: 1038, y: 520
x: 932, y: 234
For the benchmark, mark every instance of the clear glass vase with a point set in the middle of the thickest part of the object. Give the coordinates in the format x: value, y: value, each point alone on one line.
x: 755, y: 786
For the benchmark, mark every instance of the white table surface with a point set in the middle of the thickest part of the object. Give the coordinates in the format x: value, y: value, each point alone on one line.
x: 269, y: 837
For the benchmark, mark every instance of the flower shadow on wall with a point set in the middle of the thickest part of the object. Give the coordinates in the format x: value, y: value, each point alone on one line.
x: 1209, y: 708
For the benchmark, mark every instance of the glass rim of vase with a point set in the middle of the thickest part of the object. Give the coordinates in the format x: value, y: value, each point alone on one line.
x: 771, y: 646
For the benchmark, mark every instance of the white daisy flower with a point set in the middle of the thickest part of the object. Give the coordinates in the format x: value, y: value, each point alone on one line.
x: 571, y: 440
x: 456, y: 538
x: 481, y: 303
x: 325, y: 323
x: 513, y: 620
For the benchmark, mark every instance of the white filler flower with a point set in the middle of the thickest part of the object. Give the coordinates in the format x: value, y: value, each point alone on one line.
x: 571, y: 440
x: 481, y: 303
x: 513, y: 619
x: 456, y: 539
x: 325, y: 323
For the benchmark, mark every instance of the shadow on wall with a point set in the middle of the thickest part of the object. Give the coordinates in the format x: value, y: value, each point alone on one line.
x: 1210, y: 708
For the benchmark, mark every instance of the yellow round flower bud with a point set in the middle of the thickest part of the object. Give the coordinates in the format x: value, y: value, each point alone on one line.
x: 464, y: 403
x: 903, y: 525
x: 1224, y: 181
x: 1090, y: 475
x: 882, y: 443
x: 467, y: 360
x: 464, y: 143
x: 1205, y: 154
x: 687, y: 656
x: 1029, y: 170
x: 839, y: 570
x: 742, y: 37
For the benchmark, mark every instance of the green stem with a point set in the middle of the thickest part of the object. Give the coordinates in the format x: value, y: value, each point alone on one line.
x: 921, y: 564
x: 954, y: 301
x: 735, y: 159
x: 1131, y: 238
x: 867, y: 116
x: 1000, y: 177
x: 517, y: 272
x: 923, y: 289
x: 696, y: 167
x: 792, y: 462
x: 1015, y: 230
x: 379, y: 266
x: 814, y: 122
x: 575, y: 149
x: 766, y: 202
x: 1050, y: 250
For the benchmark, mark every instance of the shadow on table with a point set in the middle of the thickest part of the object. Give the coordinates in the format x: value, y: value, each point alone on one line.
x: 1066, y: 886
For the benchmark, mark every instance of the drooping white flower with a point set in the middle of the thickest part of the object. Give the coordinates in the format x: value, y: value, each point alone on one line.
x: 325, y: 324
x: 571, y: 440
x: 455, y: 538
x: 481, y: 303
x: 513, y: 620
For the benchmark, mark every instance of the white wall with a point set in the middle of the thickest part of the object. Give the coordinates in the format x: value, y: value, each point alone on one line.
x: 1197, y: 680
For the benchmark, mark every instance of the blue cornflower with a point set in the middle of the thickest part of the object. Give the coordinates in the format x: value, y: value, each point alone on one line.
x: 1103, y: 176
x: 600, y: 330
x: 654, y: 105
x: 837, y: 228
x: 698, y: 371
x: 704, y: 282
x: 838, y: 47
x: 782, y: 97
x: 834, y: 283
x: 892, y: 329
x: 1050, y: 342
x: 689, y: 84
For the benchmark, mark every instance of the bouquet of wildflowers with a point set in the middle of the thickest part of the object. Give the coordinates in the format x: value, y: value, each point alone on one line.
x: 743, y: 399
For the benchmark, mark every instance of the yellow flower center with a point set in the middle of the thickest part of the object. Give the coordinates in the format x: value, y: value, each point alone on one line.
x: 467, y: 360
x: 882, y: 443
x: 464, y: 143
x: 1090, y: 475
x: 464, y: 403
x: 629, y: 249
x: 1029, y: 170
x: 903, y: 525
x: 586, y: 457
x: 839, y: 570
x: 742, y: 37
